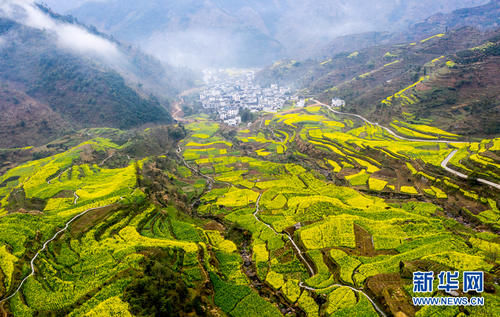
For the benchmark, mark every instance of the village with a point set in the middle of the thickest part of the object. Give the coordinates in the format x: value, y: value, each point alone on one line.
x: 227, y: 92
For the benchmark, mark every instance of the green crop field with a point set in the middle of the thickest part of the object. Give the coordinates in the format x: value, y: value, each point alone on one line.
x: 320, y: 180
x: 235, y: 222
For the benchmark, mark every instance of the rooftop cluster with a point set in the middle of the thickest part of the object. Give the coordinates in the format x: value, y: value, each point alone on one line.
x: 228, y: 92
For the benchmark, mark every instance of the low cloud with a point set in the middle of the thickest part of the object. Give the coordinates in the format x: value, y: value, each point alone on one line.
x: 69, y: 36
x: 193, y: 48
x: 67, y: 5
x: 208, y: 33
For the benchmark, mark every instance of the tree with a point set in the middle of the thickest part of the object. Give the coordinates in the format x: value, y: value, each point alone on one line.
x: 160, y: 289
x: 246, y: 115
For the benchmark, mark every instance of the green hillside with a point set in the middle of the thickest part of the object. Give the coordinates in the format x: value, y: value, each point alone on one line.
x: 323, y: 185
x: 303, y: 215
x: 48, y: 91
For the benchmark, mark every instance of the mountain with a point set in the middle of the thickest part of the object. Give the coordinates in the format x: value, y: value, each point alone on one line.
x: 337, y: 68
x: 392, y: 62
x: 137, y: 67
x: 189, y: 33
x: 449, y: 79
x: 483, y: 17
x: 57, y: 75
x: 25, y: 120
x: 246, y: 33
x: 462, y: 93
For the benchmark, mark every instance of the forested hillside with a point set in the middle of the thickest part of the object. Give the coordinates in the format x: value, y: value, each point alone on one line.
x: 52, y: 85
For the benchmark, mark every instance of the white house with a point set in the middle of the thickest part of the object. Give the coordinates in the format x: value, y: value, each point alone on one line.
x: 336, y: 102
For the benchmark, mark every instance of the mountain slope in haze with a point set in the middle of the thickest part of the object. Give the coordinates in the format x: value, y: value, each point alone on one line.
x: 247, y: 33
x: 318, y: 75
x: 365, y: 77
x: 137, y: 67
x: 57, y: 76
x: 189, y: 33
x: 483, y: 17
x: 434, y: 82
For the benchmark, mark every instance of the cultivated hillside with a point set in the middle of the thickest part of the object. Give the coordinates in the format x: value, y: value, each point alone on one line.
x: 52, y: 83
x: 305, y: 212
x: 457, y: 91
x: 366, y: 77
x: 483, y: 17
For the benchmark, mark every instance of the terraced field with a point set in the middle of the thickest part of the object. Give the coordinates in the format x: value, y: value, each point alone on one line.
x: 306, y: 212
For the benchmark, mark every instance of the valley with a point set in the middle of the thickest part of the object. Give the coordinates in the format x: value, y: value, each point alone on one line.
x: 325, y: 206
x: 263, y: 159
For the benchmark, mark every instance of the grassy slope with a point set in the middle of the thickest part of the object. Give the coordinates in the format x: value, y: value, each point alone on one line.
x: 368, y: 219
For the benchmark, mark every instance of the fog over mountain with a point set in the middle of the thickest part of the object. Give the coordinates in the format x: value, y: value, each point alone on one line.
x: 68, y: 36
x: 57, y: 75
x: 245, y: 33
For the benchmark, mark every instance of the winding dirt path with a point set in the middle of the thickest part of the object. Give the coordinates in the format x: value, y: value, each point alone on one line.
x: 309, y: 266
x: 381, y: 312
x: 32, y: 262
x: 445, y: 162
x: 49, y: 182
x: 444, y: 165
x: 106, y: 159
x: 176, y: 114
x: 177, y: 110
x: 76, y: 198
x: 287, y: 235
x: 391, y: 132
x: 211, y: 181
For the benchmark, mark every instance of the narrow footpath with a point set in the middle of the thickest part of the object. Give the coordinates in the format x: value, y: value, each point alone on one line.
x: 445, y: 162
x: 32, y: 262
x: 309, y: 266
x: 210, y: 180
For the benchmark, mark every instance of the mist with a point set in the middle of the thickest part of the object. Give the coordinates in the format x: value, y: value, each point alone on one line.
x: 137, y: 68
x: 204, y: 48
x: 66, y: 5
x: 68, y: 37
x: 251, y: 33
x: 190, y: 45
